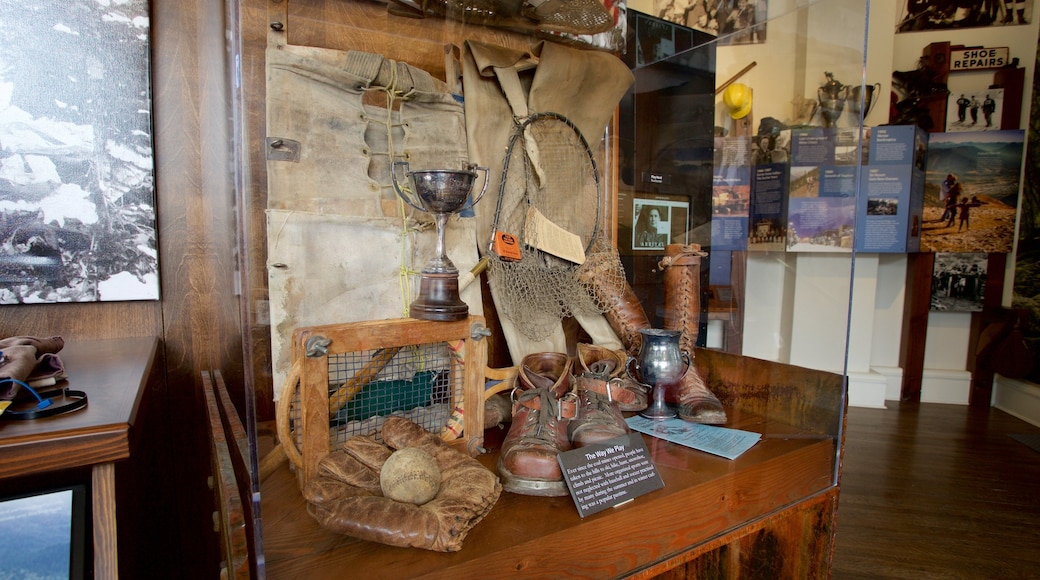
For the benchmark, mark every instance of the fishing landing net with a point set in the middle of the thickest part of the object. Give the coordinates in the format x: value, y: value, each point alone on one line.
x: 550, y: 195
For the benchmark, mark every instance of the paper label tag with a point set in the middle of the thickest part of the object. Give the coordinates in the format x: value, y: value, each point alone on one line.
x: 543, y: 234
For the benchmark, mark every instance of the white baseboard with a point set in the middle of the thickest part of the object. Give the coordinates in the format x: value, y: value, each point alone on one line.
x: 945, y: 386
x: 886, y: 384
x: 1017, y: 398
x: 867, y: 390
x: 893, y: 381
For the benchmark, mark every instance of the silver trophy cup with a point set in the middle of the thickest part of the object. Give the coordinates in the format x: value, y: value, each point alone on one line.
x: 441, y: 192
x: 866, y: 94
x: 832, y: 96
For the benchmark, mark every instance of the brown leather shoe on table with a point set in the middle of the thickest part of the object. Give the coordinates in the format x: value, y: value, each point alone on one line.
x: 598, y: 418
x: 610, y: 362
x: 609, y: 365
x: 527, y: 463
x: 550, y: 370
x: 697, y: 403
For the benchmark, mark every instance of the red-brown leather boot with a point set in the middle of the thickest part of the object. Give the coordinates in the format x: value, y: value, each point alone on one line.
x: 609, y: 365
x: 551, y: 370
x: 527, y: 463
x: 624, y: 312
x: 598, y: 418
x: 682, y: 299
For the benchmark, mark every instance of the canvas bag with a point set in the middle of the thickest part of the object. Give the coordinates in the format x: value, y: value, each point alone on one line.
x: 500, y: 83
x: 337, y: 243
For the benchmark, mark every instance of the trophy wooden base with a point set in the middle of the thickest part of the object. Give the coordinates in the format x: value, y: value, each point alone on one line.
x: 438, y: 298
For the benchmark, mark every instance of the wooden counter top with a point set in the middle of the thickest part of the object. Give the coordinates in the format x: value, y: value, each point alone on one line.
x: 704, y: 498
x: 114, y: 374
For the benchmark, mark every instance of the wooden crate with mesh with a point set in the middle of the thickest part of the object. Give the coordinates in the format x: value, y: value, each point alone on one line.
x: 354, y: 375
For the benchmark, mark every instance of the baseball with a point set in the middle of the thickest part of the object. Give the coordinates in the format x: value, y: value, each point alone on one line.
x: 410, y: 475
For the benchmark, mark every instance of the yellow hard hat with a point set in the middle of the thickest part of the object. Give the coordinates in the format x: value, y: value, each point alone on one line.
x: 737, y: 98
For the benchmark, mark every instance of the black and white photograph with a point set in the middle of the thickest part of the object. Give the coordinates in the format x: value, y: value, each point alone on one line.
x: 652, y: 226
x: 77, y: 187
x: 659, y: 220
x: 958, y: 282
x: 975, y: 110
x: 655, y: 40
x: 740, y: 21
x: 918, y: 15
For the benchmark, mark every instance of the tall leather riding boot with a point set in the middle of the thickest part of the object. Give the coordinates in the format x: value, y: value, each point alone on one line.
x: 528, y: 461
x: 624, y: 312
x: 682, y: 299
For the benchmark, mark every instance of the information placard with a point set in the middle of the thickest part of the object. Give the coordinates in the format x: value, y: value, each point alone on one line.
x: 608, y: 474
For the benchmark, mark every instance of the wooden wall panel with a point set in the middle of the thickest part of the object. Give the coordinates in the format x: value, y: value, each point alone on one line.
x: 198, y: 316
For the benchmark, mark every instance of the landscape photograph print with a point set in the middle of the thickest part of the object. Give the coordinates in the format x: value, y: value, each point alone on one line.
x: 971, y: 191
x: 77, y: 187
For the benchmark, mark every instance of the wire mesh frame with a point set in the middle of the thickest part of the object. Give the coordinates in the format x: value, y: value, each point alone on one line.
x: 360, y: 359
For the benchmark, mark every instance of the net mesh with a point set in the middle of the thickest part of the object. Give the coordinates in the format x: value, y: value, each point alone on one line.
x: 550, y: 168
x: 422, y: 383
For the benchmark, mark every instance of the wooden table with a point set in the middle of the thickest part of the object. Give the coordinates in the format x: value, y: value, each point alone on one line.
x: 768, y: 513
x: 114, y: 374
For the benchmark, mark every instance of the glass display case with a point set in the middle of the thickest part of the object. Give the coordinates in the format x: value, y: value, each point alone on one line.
x: 740, y: 134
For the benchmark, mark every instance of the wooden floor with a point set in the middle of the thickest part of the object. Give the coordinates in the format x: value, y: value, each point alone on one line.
x: 937, y: 491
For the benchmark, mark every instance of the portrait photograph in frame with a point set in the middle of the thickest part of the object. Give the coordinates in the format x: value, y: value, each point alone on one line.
x: 658, y: 220
x: 77, y: 187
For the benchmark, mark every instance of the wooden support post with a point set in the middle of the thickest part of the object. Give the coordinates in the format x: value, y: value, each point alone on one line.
x: 916, y: 304
x: 980, y: 366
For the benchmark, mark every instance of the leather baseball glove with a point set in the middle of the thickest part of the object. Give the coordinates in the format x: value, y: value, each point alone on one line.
x: 345, y: 496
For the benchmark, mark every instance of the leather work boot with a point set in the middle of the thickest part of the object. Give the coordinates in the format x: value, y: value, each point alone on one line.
x: 527, y: 463
x: 598, y: 418
x: 682, y: 297
x: 549, y: 370
x: 609, y: 365
x: 697, y: 404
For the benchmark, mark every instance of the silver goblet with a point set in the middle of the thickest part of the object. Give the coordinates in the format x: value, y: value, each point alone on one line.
x: 660, y: 363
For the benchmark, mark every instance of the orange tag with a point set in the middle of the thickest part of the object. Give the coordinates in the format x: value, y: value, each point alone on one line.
x: 506, y: 246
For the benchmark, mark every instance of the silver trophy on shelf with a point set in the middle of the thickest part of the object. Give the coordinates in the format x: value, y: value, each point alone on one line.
x: 659, y: 365
x: 863, y: 93
x: 831, y: 97
x: 441, y: 192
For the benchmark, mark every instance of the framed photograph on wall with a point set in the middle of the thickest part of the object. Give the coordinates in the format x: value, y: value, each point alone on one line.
x: 659, y: 220
x: 741, y: 21
x: 919, y: 15
x: 958, y: 282
x: 77, y: 190
x: 975, y: 110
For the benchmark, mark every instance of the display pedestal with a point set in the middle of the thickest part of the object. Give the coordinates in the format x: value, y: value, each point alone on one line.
x: 769, y: 511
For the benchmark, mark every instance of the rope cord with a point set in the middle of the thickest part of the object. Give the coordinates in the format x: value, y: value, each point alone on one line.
x: 405, y: 272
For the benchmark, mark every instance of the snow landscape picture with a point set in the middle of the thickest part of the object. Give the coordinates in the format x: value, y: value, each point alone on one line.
x: 77, y: 188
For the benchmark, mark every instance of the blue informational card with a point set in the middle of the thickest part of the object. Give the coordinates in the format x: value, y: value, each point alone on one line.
x: 721, y: 441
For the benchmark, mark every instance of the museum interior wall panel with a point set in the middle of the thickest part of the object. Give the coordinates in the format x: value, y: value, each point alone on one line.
x: 821, y: 312
x: 768, y: 288
x: 888, y: 310
x: 888, y: 320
